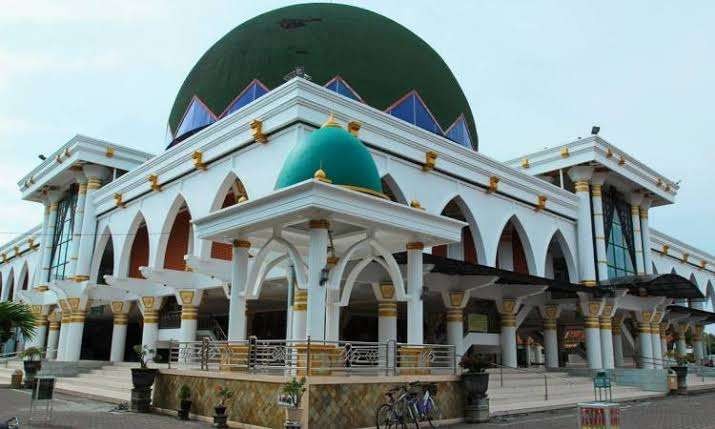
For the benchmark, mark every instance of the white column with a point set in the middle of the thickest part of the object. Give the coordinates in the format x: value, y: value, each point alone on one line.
x: 637, y: 239
x: 53, y: 336
x: 592, y: 330
x: 598, y: 227
x: 607, y: 356
x: 77, y: 227
x: 317, y: 262
x: 507, y: 310
x: 39, y: 280
x: 682, y: 346
x: 645, y: 235
x: 646, y: 345
x: 551, y: 345
x: 415, y: 328
x: 94, y: 175
x: 237, y: 304
x: 332, y: 315
x: 617, y: 342
x: 189, y: 322
x: 290, y: 278
x: 74, y: 335
x: 119, y: 337
x: 387, y: 321
x: 455, y: 329
x: 40, y: 331
x: 150, y: 331
x: 64, y: 329
x: 655, y: 344
x: 664, y: 338
x: 47, y: 241
x: 300, y: 306
x: 587, y: 269
x: 698, y: 348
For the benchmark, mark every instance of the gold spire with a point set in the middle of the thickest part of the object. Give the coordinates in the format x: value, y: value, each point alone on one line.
x: 331, y: 122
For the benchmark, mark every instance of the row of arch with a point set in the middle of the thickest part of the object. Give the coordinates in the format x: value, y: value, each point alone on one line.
x: 122, y: 249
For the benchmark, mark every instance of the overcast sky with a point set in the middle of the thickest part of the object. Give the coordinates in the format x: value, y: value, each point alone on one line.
x: 536, y: 73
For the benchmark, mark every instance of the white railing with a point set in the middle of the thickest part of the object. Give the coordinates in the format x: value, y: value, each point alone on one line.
x: 313, y: 357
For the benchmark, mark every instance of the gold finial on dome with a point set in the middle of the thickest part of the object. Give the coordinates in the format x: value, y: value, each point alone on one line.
x: 331, y: 122
x: 320, y: 175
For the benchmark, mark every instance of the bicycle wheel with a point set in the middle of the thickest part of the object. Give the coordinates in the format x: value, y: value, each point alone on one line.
x: 431, y: 412
x: 386, y: 417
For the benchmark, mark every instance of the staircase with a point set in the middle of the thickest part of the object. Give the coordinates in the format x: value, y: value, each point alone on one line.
x: 523, y: 391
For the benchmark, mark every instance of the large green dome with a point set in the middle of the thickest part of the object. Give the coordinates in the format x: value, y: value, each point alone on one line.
x: 340, y: 157
x: 380, y: 59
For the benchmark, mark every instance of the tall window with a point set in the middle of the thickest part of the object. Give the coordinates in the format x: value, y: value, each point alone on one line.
x: 62, y: 240
x: 620, y: 263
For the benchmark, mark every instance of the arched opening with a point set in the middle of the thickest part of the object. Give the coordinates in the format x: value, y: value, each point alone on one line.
x: 106, y: 263
x: 139, y: 253
x: 24, y: 278
x: 558, y: 260
x: 234, y: 192
x: 10, y: 285
x: 466, y: 249
x: 179, y: 241
x: 513, y: 253
x: 392, y: 190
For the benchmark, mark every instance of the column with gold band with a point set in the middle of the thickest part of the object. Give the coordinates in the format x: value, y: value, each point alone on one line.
x: 149, y: 306
x: 599, y: 237
x: 507, y: 310
x: 681, y: 346
x: 663, y: 328
x: 581, y: 176
x: 53, y: 335
x: 317, y: 261
x: 52, y: 199
x: 77, y: 306
x: 550, y: 314
x: 698, y: 348
x: 237, y: 300
x: 300, y: 308
x: 455, y: 319
x: 658, y: 354
x: 605, y: 326
x: 644, y: 338
x: 64, y: 329
x: 645, y: 235
x: 120, y: 310
x: 95, y: 174
x: 415, y: 306
x: 77, y: 227
x: 40, y: 314
x: 637, y: 239
x: 616, y: 326
x: 592, y: 331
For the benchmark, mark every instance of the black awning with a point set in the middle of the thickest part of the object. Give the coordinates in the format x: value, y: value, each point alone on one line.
x: 561, y: 289
x: 669, y: 285
x: 679, y: 309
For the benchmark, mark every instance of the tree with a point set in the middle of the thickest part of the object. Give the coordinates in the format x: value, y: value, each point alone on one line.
x: 15, y: 315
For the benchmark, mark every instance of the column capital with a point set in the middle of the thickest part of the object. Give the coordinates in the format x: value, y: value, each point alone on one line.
x: 580, y: 173
x: 415, y: 245
x: 241, y: 244
x: 319, y: 224
x: 300, y: 300
x: 387, y: 309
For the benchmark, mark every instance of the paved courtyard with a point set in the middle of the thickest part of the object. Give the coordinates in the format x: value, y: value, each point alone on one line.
x: 687, y: 412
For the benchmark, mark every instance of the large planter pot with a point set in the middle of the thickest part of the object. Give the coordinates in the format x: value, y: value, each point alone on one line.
x: 32, y: 367
x: 220, y: 417
x: 682, y: 373
x: 143, y: 378
x: 476, y: 403
x: 184, y: 409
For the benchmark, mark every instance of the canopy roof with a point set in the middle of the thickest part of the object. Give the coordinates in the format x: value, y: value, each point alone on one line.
x: 679, y: 309
x: 669, y: 285
x: 558, y: 288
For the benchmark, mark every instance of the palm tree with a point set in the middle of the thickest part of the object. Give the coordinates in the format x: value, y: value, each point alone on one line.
x: 15, y: 315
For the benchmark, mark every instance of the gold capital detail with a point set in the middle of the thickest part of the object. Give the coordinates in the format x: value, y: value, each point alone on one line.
x: 121, y: 319
x: 54, y: 326
x: 417, y: 245
x: 387, y: 309
x: 596, y: 190
x: 300, y: 301
x: 319, y: 224
x: 550, y: 324
x: 454, y: 315
x: 189, y: 312
x: 605, y: 323
x: 582, y: 186
x: 456, y: 298
x: 387, y: 290
x: 508, y: 320
x: 243, y: 244
x: 591, y: 322
x: 187, y: 297
x: 151, y: 316
x: 94, y: 183
x: 77, y: 316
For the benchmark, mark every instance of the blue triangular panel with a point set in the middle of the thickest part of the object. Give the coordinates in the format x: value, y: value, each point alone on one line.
x: 413, y: 110
x: 197, y: 116
x: 253, y: 91
x: 339, y: 85
x: 459, y: 133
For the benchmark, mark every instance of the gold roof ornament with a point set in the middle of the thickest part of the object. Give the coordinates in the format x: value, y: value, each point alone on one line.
x: 320, y: 175
x: 331, y: 122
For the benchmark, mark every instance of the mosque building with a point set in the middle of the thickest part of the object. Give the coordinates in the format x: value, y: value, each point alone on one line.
x: 322, y: 181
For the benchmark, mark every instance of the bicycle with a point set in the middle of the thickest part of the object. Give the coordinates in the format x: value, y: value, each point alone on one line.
x: 423, y: 404
x: 396, y: 412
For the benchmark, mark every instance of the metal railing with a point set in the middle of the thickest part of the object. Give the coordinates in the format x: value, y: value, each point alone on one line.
x: 544, y: 374
x: 313, y: 357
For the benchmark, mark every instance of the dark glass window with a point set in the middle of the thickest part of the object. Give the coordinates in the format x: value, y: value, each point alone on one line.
x: 196, y: 116
x: 62, y: 240
x: 253, y: 91
x: 459, y: 133
x: 620, y: 263
x: 412, y: 109
x: 339, y: 85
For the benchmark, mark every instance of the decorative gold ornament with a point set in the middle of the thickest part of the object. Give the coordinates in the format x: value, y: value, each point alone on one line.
x: 565, y: 152
x: 118, y: 200
x: 416, y: 205
x: 525, y: 163
x: 331, y: 122
x: 154, y: 182
x: 493, y: 184
x: 109, y: 152
x: 257, y: 131
x: 321, y: 176
x: 540, y: 203
x: 354, y: 127
x: 430, y: 161
x: 198, y: 160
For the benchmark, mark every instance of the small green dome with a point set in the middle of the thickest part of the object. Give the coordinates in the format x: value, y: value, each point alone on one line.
x: 341, y: 156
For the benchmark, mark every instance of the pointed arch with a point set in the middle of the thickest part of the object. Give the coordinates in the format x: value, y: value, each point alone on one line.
x: 392, y: 189
x: 710, y: 293
x: 176, y: 239
x: 230, y: 192
x: 23, y: 280
x: 471, y: 247
x: 515, y: 248
x: 655, y: 269
x: 558, y: 248
x: 136, y: 250
x: 104, y: 258
x: 10, y: 279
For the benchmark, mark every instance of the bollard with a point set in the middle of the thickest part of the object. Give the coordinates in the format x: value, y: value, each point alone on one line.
x: 16, y: 379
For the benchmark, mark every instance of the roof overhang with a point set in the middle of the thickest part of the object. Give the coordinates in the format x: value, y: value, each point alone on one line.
x: 292, y: 207
x: 704, y: 317
x: 668, y: 285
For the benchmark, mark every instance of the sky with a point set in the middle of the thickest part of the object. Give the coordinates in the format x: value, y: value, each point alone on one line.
x: 536, y: 73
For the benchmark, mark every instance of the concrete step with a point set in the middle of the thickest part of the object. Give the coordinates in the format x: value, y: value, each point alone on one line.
x: 102, y: 382
x: 108, y: 394
x: 506, y: 407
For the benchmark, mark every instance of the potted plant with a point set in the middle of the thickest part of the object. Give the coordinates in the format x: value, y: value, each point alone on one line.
x: 32, y: 364
x: 292, y: 395
x: 143, y: 377
x: 184, y: 402
x: 223, y: 393
x: 681, y: 370
x: 475, y: 382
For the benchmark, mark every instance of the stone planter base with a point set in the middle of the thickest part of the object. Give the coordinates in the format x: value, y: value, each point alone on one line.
x: 477, y: 412
x: 141, y: 400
